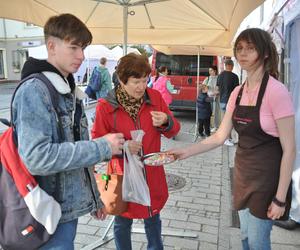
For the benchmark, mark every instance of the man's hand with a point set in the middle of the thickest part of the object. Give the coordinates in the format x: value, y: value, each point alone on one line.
x: 116, y: 142
x: 100, y: 214
x: 158, y: 118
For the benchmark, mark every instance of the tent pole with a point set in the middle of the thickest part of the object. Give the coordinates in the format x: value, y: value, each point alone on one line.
x: 125, y: 28
x: 197, y: 82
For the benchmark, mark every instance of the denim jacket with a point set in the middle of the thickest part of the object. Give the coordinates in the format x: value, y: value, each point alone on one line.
x: 61, y: 165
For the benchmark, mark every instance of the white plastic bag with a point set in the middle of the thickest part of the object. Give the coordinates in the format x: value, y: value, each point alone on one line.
x: 134, y: 187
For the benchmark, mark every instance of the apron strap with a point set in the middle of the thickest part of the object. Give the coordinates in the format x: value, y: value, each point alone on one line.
x: 262, y: 90
x: 239, y: 97
x: 260, y: 94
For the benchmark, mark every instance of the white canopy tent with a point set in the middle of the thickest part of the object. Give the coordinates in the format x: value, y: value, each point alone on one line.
x: 160, y: 22
x: 118, y: 52
x: 194, y: 50
x: 97, y: 51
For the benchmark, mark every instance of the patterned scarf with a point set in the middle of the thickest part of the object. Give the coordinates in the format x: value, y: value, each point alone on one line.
x: 129, y: 103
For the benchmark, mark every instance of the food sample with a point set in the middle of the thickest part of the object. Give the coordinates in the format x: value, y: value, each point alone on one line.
x: 157, y: 159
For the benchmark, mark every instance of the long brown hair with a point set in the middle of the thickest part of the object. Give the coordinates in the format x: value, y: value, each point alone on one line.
x: 266, y: 49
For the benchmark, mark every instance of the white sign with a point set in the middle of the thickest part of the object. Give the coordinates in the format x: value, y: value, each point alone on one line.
x: 31, y: 43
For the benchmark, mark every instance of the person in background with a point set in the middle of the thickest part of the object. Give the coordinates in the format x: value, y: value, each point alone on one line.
x: 55, y: 147
x: 84, y: 79
x: 163, y: 85
x: 115, y: 79
x: 204, y: 111
x: 106, y: 85
x: 226, y: 83
x: 261, y: 111
x: 152, y: 79
x: 130, y: 106
x: 211, y: 82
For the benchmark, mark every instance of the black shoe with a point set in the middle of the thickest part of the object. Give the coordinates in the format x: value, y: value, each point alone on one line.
x: 288, y: 224
x: 202, y: 135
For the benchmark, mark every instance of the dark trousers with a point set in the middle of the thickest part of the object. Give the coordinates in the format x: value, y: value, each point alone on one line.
x: 204, y: 124
x: 122, y: 233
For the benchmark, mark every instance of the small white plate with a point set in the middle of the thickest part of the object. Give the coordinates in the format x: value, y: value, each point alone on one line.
x: 158, y: 159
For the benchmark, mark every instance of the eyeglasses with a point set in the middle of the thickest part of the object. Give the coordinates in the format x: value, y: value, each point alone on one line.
x: 247, y: 50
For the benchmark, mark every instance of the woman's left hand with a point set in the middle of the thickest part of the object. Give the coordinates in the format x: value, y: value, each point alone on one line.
x: 159, y: 118
x: 275, y: 212
x: 134, y: 147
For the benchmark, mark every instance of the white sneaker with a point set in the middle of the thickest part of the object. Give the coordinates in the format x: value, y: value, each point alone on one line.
x: 213, y: 130
x: 228, y: 143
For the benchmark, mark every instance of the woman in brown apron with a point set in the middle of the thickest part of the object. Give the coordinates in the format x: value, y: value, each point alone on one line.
x: 263, y: 161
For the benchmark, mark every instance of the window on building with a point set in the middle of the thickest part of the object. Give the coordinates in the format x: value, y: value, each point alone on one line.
x: 2, y: 75
x: 16, y: 61
x: 30, y: 25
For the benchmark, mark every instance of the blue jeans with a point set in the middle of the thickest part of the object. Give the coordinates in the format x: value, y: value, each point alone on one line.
x: 122, y: 233
x: 63, y: 238
x: 223, y: 106
x: 255, y: 231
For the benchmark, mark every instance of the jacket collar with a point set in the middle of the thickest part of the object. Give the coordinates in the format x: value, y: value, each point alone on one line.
x: 60, y: 85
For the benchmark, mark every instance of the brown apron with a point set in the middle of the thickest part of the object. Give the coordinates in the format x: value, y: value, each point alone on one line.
x: 257, y: 160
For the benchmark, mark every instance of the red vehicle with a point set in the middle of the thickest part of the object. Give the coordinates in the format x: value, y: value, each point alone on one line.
x: 183, y: 75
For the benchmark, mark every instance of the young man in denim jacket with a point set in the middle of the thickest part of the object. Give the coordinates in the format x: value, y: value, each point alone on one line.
x: 61, y: 156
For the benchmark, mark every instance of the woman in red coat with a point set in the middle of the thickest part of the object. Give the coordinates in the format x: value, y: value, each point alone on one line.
x: 131, y: 106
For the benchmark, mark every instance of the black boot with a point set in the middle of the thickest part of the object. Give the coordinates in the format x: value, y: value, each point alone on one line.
x: 288, y: 224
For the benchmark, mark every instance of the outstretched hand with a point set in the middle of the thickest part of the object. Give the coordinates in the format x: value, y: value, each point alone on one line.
x: 179, y: 153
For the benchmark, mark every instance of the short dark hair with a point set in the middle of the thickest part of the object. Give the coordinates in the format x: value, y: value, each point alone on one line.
x: 68, y: 28
x: 103, y: 60
x: 265, y: 47
x: 229, y: 62
x: 133, y: 65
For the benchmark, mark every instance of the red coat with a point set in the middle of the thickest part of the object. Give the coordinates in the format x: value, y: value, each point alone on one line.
x: 108, y: 113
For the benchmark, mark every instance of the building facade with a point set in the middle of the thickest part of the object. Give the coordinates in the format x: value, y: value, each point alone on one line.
x: 15, y: 39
